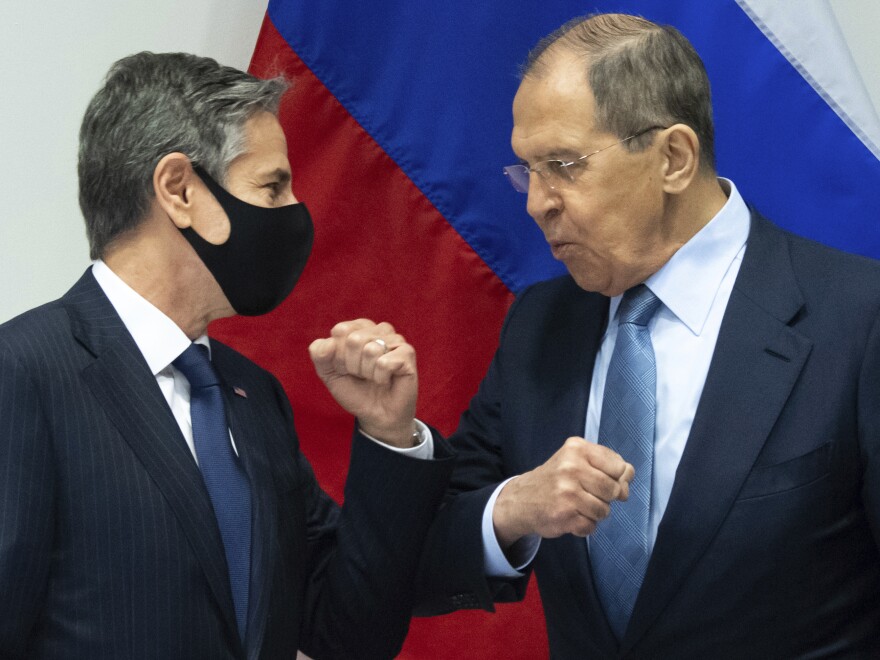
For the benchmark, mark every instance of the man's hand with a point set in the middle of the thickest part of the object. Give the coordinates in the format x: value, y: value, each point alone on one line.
x: 371, y: 372
x: 569, y: 494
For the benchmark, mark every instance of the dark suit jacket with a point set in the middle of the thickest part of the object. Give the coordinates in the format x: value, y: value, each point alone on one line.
x: 108, y: 543
x: 769, y: 545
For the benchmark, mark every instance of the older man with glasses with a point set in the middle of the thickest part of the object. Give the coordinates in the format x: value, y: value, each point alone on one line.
x: 699, y: 397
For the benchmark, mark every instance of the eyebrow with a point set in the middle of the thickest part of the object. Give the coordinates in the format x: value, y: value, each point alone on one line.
x: 281, y: 175
x: 564, y: 155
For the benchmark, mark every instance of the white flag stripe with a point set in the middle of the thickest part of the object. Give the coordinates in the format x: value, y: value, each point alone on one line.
x: 807, y: 33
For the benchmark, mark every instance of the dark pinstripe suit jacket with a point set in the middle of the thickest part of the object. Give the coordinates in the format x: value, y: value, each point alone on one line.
x: 108, y: 543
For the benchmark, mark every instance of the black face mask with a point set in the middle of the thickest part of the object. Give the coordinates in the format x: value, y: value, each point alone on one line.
x: 264, y: 255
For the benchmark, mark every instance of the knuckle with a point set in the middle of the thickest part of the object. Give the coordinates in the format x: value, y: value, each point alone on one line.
x: 572, y: 443
x: 558, y: 518
x: 340, y: 329
x: 355, y: 339
x: 565, y: 468
x: 563, y: 490
x: 373, y: 349
x: 596, y: 453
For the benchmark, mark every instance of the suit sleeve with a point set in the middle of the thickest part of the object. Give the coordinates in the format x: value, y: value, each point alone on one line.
x: 452, y: 575
x: 362, y: 559
x: 26, y: 511
x: 869, y: 429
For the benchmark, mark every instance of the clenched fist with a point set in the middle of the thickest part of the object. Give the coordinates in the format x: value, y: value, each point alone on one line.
x: 371, y: 372
x: 569, y: 494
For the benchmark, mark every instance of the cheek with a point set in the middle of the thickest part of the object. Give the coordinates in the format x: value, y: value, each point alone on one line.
x: 597, y: 222
x: 212, y: 224
x: 636, y: 216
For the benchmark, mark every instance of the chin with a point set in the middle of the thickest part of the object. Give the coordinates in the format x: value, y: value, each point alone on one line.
x: 221, y: 311
x: 588, y: 283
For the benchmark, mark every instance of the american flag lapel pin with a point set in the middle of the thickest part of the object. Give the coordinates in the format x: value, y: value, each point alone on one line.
x: 240, y: 392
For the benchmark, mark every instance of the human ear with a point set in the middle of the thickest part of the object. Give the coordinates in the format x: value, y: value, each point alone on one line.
x: 186, y: 200
x: 172, y: 185
x: 680, y: 148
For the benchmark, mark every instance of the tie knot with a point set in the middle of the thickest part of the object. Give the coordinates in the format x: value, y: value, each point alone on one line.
x: 638, y: 305
x: 195, y: 364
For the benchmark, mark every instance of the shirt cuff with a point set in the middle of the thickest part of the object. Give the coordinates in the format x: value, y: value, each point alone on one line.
x: 497, y: 563
x: 423, y: 450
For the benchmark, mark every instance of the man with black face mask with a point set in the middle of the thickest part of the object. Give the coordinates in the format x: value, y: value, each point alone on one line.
x: 153, y: 499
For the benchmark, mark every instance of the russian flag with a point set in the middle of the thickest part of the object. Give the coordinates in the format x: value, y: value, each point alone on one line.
x: 398, y: 127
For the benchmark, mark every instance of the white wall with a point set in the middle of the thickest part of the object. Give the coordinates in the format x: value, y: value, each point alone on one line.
x: 54, y: 54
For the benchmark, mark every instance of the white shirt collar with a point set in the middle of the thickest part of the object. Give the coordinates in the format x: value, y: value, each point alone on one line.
x: 159, y: 338
x: 688, y: 283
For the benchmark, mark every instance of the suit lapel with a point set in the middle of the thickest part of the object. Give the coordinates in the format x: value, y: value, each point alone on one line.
x: 757, y: 360
x: 567, y: 359
x: 564, y: 371
x: 245, y: 425
x: 122, y: 383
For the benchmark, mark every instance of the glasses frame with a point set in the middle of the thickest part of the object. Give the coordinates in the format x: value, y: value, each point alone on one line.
x: 549, y: 177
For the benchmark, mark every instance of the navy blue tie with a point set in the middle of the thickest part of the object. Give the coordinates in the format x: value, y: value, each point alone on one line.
x: 222, y: 472
x: 620, y: 546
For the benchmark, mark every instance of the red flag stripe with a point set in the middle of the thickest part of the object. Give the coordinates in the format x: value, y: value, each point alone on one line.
x: 382, y: 251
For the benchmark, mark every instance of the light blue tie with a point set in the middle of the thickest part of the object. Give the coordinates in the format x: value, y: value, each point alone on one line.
x: 224, y: 477
x: 619, y: 548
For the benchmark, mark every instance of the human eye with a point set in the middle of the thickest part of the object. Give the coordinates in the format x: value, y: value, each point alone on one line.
x: 274, y: 184
x: 574, y: 166
x: 274, y: 189
x: 555, y: 168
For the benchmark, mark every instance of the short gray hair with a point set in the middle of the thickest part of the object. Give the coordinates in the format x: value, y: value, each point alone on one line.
x: 641, y: 74
x: 151, y: 105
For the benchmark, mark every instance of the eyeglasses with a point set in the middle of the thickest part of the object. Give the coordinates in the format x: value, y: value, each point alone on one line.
x: 559, y: 173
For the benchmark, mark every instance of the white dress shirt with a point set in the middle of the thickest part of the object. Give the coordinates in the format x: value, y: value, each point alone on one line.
x: 161, y: 341
x: 694, y: 287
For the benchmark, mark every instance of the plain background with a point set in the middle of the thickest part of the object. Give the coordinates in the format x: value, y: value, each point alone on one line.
x: 55, y: 54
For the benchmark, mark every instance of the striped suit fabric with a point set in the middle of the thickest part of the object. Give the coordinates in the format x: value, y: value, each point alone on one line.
x: 108, y: 543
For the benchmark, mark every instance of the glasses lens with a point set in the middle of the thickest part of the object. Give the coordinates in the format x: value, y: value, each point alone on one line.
x: 556, y: 172
x: 518, y: 176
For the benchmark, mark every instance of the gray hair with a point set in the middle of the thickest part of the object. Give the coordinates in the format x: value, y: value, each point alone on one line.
x: 152, y: 105
x: 641, y: 74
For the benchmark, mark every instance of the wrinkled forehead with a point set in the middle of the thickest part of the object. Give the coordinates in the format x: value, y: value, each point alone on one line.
x: 553, y: 109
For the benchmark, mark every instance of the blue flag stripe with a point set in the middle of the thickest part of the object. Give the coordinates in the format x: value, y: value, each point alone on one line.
x: 433, y: 84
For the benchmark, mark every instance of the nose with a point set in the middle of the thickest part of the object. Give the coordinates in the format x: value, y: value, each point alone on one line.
x: 543, y: 200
